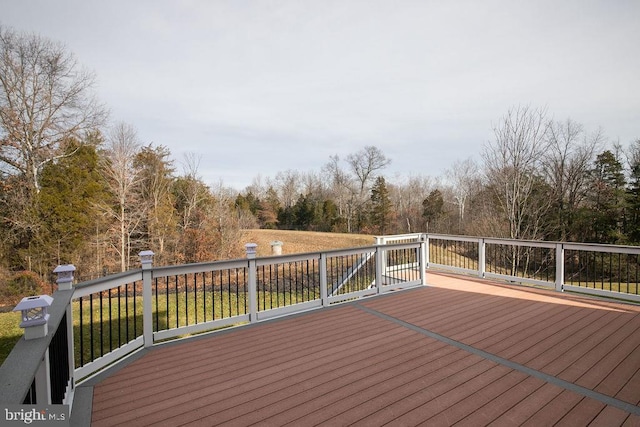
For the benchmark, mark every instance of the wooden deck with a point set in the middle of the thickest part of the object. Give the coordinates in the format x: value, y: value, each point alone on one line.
x: 460, y: 352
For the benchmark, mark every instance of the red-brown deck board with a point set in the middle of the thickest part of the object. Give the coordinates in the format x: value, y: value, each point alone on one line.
x: 383, y: 360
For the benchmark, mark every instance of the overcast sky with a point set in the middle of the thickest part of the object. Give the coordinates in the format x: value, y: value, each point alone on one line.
x: 257, y: 87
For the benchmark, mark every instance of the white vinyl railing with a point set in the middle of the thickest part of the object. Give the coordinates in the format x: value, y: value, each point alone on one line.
x: 604, y: 270
x: 107, y: 319
x: 93, y: 324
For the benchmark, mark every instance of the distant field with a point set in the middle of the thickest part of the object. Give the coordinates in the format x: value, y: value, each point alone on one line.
x: 304, y: 241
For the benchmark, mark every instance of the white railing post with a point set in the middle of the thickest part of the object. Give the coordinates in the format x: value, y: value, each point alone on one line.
x: 146, y: 259
x: 324, y: 292
x: 381, y: 262
x: 425, y: 237
x: 65, y: 283
x: 482, y: 246
x: 251, y: 249
x: 35, y: 318
x: 559, y: 267
x: 380, y: 267
x: 424, y: 256
x: 43, y: 384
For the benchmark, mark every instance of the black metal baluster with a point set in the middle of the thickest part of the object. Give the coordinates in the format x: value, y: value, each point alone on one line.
x: 177, y: 303
x: 221, y: 294
x: 186, y: 299
x: 214, y: 303
x: 119, y: 319
x: 261, y: 283
x: 637, y: 274
x: 602, y: 272
x: 229, y: 293
x: 126, y: 311
x: 237, y: 285
x: 620, y: 274
x: 293, y: 282
x: 195, y: 297
x: 244, y: 288
x: 110, y: 324
x: 166, y: 284
x: 157, y: 311
x: 204, y: 295
x: 271, y: 288
x: 81, y: 337
x: 91, y: 325
x: 627, y: 269
x: 101, y: 328
x: 610, y: 270
x: 580, y: 267
x: 135, y: 311
x: 300, y: 279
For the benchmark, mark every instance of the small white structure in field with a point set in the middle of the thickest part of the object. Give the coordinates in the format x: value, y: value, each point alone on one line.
x: 276, y: 247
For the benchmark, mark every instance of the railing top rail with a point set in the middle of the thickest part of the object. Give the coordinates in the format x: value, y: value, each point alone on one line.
x: 362, y: 249
x: 513, y: 242
x: 105, y: 283
x: 596, y: 247
x: 349, y: 251
x: 281, y: 259
x: 400, y: 236
x: 453, y: 237
x: 27, y: 354
x: 542, y: 243
x: 403, y: 245
x: 199, y: 267
x: 117, y: 276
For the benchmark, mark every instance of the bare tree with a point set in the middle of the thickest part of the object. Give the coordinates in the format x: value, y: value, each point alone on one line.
x: 341, y: 188
x: 407, y: 200
x: 123, y: 181
x: 512, y: 169
x: 566, y: 164
x: 191, y: 193
x: 365, y: 163
x: 288, y: 185
x: 463, y: 178
x: 45, y: 99
x: 226, y: 225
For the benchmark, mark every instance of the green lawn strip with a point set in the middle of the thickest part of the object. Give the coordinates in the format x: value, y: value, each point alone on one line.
x: 10, y: 333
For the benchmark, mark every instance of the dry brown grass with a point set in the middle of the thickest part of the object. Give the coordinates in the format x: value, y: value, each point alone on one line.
x: 304, y: 241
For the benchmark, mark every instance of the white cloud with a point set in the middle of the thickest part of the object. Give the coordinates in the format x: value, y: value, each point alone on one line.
x: 258, y: 87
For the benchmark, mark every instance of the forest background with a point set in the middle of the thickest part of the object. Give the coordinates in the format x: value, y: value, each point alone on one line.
x: 75, y: 188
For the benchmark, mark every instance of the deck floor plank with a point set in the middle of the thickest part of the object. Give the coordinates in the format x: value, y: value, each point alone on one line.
x: 328, y: 387
x: 347, y: 365
x: 496, y: 408
x: 479, y: 399
x: 582, y: 414
x: 622, y: 375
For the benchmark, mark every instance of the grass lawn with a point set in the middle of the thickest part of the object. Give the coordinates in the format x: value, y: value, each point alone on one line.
x: 10, y: 333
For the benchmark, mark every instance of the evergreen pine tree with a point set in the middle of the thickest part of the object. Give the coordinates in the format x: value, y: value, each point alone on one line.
x: 381, y: 213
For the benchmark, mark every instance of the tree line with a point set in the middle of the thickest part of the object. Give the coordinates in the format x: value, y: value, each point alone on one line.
x: 537, y: 179
x: 78, y: 189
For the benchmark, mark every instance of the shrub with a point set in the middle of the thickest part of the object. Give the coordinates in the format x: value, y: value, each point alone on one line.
x: 20, y: 285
